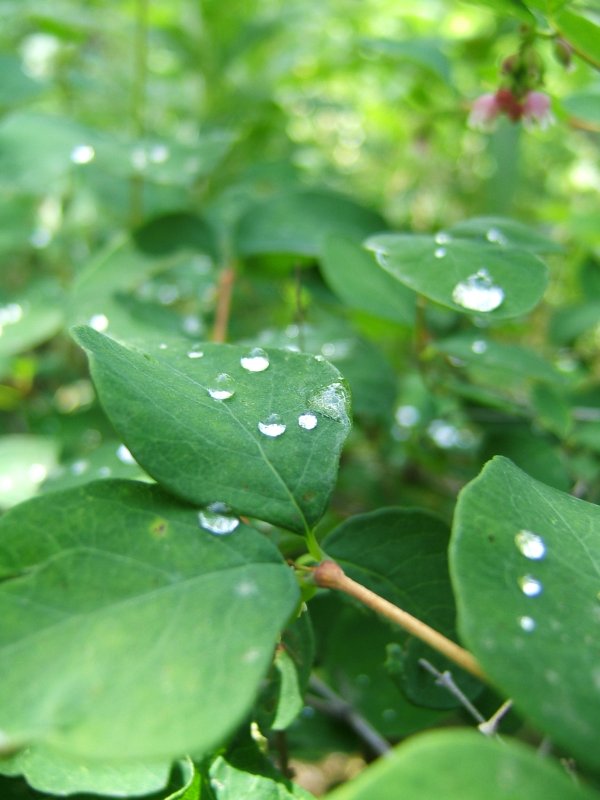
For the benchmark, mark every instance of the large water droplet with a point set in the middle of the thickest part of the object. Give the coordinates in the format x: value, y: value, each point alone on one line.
x: 495, y: 236
x: 99, y: 322
x: 195, y: 352
x: 531, y: 545
x: 479, y: 346
x: 272, y: 427
x: 442, y: 238
x: 222, y: 388
x: 255, y: 361
x: 478, y: 292
x: 530, y: 586
x: 331, y: 401
x: 82, y: 154
x: 307, y: 421
x: 215, y: 519
x: 527, y: 624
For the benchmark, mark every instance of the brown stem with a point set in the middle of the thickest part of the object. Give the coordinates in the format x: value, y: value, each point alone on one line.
x: 330, y: 575
x: 224, y: 292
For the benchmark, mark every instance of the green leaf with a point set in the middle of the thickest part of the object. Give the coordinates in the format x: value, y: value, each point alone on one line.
x: 463, y: 765
x: 400, y: 554
x: 209, y: 450
x: 16, y: 87
x: 299, y: 222
x: 293, y: 662
x: 527, y: 589
x: 500, y: 230
x: 552, y: 409
x: 47, y: 770
x: 30, y: 318
x: 584, y: 106
x: 425, y: 53
x: 473, y: 277
x: 129, y: 631
x: 25, y: 462
x: 355, y: 277
x: 582, y: 33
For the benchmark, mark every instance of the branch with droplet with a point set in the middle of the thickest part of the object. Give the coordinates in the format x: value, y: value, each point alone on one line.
x: 330, y: 575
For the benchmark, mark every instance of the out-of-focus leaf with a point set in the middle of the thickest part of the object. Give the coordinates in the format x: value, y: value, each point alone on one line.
x: 25, y: 463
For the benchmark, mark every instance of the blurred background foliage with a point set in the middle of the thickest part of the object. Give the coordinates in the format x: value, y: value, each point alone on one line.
x: 135, y: 136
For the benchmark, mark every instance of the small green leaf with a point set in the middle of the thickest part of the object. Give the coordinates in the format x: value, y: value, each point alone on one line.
x: 528, y: 594
x: 299, y: 222
x: 293, y: 662
x: 265, y: 442
x: 129, y: 631
x: 463, y: 765
x: 356, y: 278
x: 481, y: 278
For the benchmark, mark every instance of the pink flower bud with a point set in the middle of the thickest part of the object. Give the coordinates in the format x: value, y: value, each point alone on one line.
x: 536, y: 110
x: 484, y: 111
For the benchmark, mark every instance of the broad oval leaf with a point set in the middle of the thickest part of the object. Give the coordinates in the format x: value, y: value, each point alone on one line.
x: 463, y: 765
x: 528, y: 595
x: 129, y: 631
x: 299, y: 222
x: 479, y: 278
x: 265, y: 442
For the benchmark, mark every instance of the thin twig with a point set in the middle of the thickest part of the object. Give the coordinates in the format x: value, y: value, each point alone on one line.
x: 490, y: 726
x: 446, y: 680
x: 224, y: 292
x: 335, y: 706
x: 330, y: 575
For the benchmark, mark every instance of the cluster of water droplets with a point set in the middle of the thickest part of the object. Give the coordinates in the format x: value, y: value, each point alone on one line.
x: 532, y: 546
x: 441, y: 239
x: 478, y: 292
x: 217, y: 518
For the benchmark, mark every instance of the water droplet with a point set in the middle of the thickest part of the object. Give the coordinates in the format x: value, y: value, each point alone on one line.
x: 527, y: 623
x: 79, y: 467
x: 272, y: 427
x: 440, y: 252
x: 407, y: 416
x: 319, y: 358
x: 216, y: 519
x: 531, y: 545
x: 255, y: 361
x: 307, y: 421
x: 478, y: 292
x: 10, y: 314
x: 496, y: 236
x: 99, y: 322
x: 163, y: 346
x: 37, y: 473
x: 167, y: 294
x: 442, y: 238
x: 292, y: 331
x: 222, y: 388
x: 195, y: 352
x: 82, y: 154
x: 191, y: 325
x: 246, y: 588
x: 124, y: 455
x: 104, y: 472
x: 40, y: 238
x: 479, y: 346
x: 530, y: 586
x: 159, y: 153
x: 331, y: 401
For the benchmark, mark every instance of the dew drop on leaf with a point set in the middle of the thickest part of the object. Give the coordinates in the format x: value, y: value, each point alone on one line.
x: 531, y: 545
x: 479, y: 346
x: 99, y: 322
x: 195, y: 352
x: 332, y: 401
x: 307, y: 421
x: 530, y: 586
x: 216, y: 519
x: 442, y: 238
x: 495, y: 236
x: 222, y: 388
x: 527, y: 624
x: 82, y: 154
x: 273, y: 426
x: 478, y: 292
x: 440, y: 252
x: 255, y: 361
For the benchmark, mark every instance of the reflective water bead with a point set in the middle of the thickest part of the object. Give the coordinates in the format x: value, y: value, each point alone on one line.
x: 222, y: 388
x: 195, y: 352
x: 82, y: 154
x: 407, y: 416
x: 255, y: 361
x: 527, y: 624
x: 530, y: 545
x: 272, y: 427
x: 495, y: 236
x: 440, y: 252
x: 332, y: 401
x: 214, y: 519
x: 163, y: 346
x: 530, y: 586
x: 478, y: 292
x: 99, y: 322
x: 307, y: 421
x: 442, y: 237
x: 479, y: 346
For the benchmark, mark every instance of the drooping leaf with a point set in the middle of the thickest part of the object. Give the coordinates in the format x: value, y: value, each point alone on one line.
x: 203, y: 425
x: 299, y: 223
x: 463, y: 765
x: 357, y: 279
x: 526, y: 583
x: 130, y: 632
x: 480, y: 278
